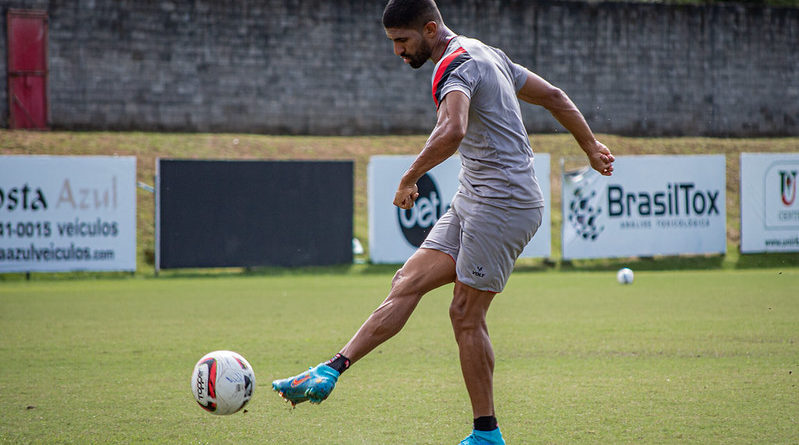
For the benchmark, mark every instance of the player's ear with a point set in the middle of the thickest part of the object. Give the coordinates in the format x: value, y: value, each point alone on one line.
x: 430, y: 29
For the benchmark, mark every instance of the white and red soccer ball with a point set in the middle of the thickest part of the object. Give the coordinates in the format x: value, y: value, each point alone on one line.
x: 222, y: 382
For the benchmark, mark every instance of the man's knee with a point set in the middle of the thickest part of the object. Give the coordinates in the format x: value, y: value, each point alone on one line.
x: 404, y: 283
x: 468, y: 309
x: 465, y: 319
x: 457, y: 313
x: 398, y: 276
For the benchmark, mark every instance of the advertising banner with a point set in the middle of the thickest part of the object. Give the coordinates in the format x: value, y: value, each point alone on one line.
x: 67, y: 213
x: 769, y: 208
x: 395, y: 234
x: 227, y: 213
x: 652, y: 205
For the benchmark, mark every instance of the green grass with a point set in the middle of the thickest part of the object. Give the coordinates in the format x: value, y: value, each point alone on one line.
x: 678, y: 357
x: 698, y: 350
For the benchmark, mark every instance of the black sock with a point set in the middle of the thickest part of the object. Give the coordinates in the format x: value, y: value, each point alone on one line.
x: 339, y: 363
x: 485, y: 423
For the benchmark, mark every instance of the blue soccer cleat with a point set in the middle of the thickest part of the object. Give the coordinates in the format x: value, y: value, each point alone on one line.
x: 493, y: 437
x: 315, y: 385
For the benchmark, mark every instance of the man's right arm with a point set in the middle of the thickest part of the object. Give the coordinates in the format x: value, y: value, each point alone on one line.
x: 538, y: 91
x: 451, y: 125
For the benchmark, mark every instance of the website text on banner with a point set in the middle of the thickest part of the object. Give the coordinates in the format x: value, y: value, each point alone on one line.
x: 67, y: 213
x: 769, y: 208
x: 652, y: 205
x: 394, y: 234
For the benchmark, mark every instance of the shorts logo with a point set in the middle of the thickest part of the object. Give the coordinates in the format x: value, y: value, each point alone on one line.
x: 788, y: 186
x: 583, y: 213
x: 417, y: 221
x: 478, y: 272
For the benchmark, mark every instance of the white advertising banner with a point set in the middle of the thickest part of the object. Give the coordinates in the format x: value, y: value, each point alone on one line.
x: 67, y: 213
x: 652, y: 205
x: 769, y: 207
x: 395, y: 234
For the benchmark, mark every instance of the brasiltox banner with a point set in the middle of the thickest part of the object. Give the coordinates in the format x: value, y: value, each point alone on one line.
x: 652, y: 205
x: 67, y: 213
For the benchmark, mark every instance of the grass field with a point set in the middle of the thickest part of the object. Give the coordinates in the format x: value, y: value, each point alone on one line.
x: 678, y: 357
x: 699, y: 350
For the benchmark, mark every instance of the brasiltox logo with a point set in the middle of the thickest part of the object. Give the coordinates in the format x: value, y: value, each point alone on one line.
x: 678, y: 199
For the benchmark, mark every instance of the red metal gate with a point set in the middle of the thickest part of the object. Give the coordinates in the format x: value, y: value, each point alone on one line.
x: 27, y: 69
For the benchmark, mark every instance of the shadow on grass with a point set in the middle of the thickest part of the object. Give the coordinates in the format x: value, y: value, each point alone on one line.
x: 767, y: 260
x: 732, y: 261
x: 56, y: 276
x: 266, y: 271
x: 710, y: 262
x: 227, y: 272
x: 648, y: 263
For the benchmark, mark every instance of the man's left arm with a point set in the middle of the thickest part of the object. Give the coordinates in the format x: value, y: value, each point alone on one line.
x: 538, y: 91
x: 451, y: 125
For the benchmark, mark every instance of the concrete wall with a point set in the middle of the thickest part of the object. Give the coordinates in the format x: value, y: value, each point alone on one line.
x: 322, y: 67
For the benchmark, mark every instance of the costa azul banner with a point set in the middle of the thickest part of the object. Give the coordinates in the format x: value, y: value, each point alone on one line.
x: 63, y: 213
x: 769, y: 206
x: 652, y: 205
x: 395, y: 234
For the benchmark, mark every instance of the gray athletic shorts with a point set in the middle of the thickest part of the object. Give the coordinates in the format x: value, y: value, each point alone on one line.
x: 484, y: 240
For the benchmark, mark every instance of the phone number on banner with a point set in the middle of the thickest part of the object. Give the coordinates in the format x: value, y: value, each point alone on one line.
x: 23, y: 229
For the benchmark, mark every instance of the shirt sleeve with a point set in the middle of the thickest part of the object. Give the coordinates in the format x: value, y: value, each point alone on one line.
x: 463, y: 79
x: 457, y: 72
x: 518, y: 73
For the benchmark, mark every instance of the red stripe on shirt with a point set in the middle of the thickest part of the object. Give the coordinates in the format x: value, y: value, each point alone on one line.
x: 442, y: 68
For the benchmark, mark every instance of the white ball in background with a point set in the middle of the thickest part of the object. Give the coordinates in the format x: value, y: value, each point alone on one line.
x: 624, y: 276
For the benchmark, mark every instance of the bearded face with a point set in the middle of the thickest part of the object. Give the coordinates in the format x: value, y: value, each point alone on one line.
x: 410, y: 45
x: 419, y: 57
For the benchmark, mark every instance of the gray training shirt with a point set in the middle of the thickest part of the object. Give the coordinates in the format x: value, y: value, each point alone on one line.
x: 496, y: 157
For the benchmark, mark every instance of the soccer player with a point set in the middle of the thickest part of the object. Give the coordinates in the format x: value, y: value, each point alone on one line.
x: 496, y: 211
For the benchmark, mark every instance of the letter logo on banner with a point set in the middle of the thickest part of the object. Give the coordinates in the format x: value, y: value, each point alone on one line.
x: 788, y: 185
x: 417, y: 221
x: 781, y: 206
x: 769, y: 208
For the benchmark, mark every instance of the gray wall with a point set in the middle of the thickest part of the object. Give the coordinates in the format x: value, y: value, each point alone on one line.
x: 325, y: 67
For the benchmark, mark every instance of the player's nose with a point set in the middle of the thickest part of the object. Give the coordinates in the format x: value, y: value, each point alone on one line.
x: 398, y: 49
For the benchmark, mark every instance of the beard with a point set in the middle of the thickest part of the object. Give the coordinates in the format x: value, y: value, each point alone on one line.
x: 417, y: 60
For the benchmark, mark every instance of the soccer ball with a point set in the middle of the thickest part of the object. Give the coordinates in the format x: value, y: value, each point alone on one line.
x: 624, y: 276
x: 222, y: 382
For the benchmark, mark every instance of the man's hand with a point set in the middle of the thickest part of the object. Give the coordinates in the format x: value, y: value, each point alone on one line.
x: 406, y: 195
x: 600, y: 158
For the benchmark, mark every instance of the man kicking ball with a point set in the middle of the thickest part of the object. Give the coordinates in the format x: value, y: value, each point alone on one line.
x: 493, y: 216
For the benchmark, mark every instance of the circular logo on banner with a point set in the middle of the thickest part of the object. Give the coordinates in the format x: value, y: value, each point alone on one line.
x: 417, y: 221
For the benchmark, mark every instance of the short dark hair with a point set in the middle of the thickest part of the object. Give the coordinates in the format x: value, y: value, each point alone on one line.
x: 410, y: 14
